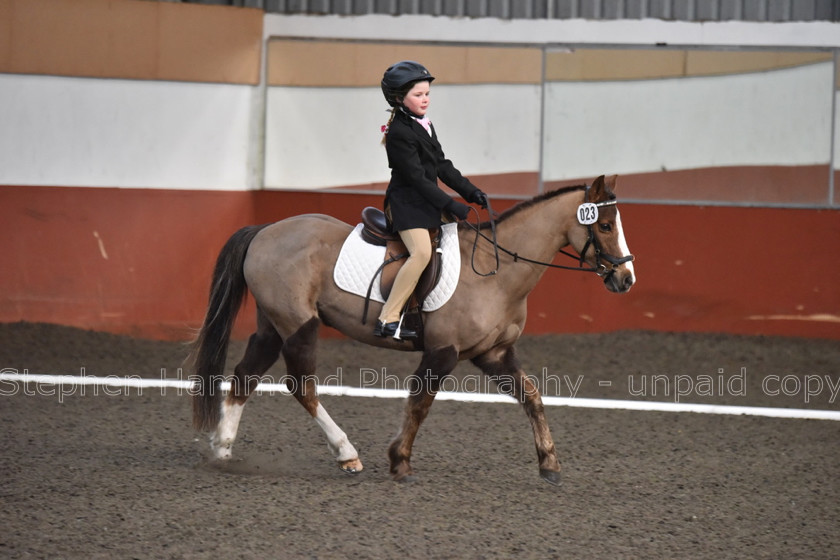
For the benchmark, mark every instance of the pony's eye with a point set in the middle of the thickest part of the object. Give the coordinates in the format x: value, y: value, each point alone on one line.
x: 605, y: 227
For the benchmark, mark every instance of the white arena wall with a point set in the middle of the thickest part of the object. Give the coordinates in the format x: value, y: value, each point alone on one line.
x: 768, y: 118
x: 485, y: 129
x: 94, y: 132
x: 141, y: 134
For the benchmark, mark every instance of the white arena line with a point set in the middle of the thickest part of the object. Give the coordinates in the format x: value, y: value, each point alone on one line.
x: 338, y: 390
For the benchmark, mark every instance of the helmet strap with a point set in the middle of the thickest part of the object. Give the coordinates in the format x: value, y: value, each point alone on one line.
x: 406, y: 110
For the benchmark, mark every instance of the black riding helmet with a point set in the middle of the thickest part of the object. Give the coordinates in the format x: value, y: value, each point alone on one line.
x: 400, y: 77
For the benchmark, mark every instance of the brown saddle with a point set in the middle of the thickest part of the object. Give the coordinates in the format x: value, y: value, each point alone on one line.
x: 377, y: 232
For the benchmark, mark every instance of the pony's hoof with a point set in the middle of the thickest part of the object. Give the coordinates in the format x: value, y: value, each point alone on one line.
x: 402, y: 472
x: 406, y: 479
x: 221, y: 453
x: 352, y: 466
x: 552, y: 477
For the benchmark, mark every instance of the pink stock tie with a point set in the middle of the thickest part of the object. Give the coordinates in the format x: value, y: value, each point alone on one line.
x: 427, y: 124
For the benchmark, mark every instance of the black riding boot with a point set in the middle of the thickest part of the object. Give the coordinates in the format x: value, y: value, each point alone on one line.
x: 390, y: 329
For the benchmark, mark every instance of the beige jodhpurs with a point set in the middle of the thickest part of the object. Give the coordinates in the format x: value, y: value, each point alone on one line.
x: 420, y: 253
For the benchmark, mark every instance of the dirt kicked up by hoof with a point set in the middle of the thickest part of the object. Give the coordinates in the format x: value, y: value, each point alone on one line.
x: 552, y: 477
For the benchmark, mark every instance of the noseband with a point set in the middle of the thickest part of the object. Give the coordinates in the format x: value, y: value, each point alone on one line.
x: 600, y: 269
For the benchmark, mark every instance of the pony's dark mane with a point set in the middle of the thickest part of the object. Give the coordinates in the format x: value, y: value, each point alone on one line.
x: 525, y: 204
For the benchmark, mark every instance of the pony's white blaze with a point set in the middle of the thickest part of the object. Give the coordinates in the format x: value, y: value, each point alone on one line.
x: 337, y: 440
x: 221, y: 441
x: 622, y: 244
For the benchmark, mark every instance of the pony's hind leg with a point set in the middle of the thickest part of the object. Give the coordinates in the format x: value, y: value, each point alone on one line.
x: 299, y: 354
x: 262, y: 351
x: 503, y: 367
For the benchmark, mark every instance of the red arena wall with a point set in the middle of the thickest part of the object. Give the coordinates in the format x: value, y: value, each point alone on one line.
x: 139, y: 261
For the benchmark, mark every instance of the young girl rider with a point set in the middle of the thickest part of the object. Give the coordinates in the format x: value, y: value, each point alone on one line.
x: 413, y: 201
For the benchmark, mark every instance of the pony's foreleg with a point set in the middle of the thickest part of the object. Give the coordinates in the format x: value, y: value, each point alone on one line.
x: 423, y: 386
x: 299, y: 353
x: 504, y: 368
x: 263, y: 350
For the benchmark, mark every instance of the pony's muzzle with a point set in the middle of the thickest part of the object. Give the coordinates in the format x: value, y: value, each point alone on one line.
x: 619, y: 279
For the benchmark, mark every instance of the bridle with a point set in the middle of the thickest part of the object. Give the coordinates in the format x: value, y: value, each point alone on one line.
x: 600, y: 269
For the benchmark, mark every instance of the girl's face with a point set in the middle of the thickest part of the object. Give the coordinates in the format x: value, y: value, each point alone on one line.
x: 417, y: 98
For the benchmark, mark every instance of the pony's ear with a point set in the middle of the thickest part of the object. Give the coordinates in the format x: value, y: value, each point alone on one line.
x: 610, y: 182
x: 596, y: 192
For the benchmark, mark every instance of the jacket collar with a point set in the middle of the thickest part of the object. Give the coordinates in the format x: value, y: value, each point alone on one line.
x: 419, y: 130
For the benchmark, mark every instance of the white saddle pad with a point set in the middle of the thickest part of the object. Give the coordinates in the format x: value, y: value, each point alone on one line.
x: 358, y: 262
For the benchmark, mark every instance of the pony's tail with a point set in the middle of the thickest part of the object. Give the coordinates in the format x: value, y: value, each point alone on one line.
x: 209, y: 353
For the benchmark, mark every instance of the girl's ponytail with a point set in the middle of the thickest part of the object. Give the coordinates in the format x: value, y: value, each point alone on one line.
x: 387, y: 126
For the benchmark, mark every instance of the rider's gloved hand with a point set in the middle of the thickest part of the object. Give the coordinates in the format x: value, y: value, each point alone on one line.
x: 459, y: 210
x: 478, y: 197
